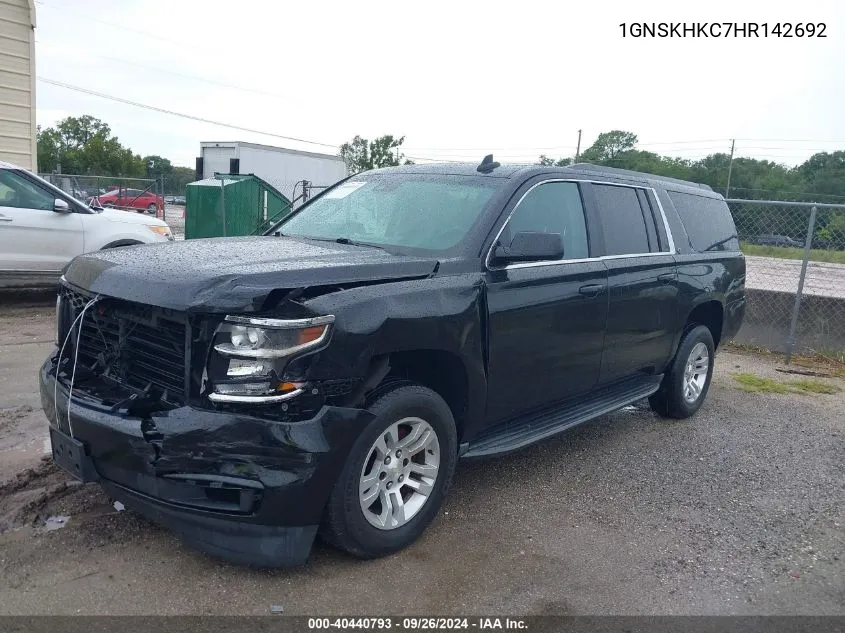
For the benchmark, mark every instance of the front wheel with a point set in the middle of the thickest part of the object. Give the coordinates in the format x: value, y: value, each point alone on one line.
x: 685, y: 386
x: 396, y: 476
x: 152, y: 209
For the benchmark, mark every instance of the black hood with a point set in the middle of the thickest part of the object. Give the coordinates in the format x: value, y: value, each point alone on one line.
x: 234, y: 273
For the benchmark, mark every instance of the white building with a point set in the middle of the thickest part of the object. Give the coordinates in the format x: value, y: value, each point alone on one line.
x: 17, y: 83
x: 281, y: 167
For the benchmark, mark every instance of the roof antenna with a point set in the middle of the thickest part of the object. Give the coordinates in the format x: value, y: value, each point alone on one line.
x: 488, y: 164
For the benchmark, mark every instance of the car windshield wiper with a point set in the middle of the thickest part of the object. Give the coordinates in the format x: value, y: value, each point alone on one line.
x: 720, y: 242
x: 346, y: 240
x: 338, y: 240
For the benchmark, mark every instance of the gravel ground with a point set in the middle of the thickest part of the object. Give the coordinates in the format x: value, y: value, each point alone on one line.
x: 174, y: 219
x: 739, y: 510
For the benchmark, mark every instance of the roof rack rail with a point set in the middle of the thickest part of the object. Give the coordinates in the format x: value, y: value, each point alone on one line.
x: 637, y: 174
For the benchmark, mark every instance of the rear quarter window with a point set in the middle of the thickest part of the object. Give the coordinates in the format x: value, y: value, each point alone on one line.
x: 708, y: 222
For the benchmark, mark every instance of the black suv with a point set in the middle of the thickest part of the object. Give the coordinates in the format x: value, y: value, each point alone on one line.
x: 248, y: 392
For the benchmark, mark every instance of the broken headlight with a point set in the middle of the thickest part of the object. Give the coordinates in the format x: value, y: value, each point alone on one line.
x: 254, y: 352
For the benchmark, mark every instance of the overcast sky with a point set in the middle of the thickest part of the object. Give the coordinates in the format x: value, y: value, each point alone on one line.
x: 457, y: 78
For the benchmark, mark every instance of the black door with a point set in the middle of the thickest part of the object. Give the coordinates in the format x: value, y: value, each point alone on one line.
x: 642, y: 282
x: 546, y: 319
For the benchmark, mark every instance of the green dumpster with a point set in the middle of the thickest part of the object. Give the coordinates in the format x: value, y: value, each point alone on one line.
x: 230, y: 204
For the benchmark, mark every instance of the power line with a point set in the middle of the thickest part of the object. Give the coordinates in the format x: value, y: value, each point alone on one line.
x: 200, y: 78
x: 119, y: 26
x: 711, y: 140
x: 179, y: 114
x: 791, y: 149
x: 792, y: 140
x: 436, y: 160
x: 487, y: 149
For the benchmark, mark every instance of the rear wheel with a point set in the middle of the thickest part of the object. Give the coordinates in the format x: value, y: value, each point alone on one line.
x: 685, y: 386
x: 396, y: 475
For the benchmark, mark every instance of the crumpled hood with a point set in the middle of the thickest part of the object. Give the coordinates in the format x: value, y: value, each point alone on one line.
x: 234, y: 273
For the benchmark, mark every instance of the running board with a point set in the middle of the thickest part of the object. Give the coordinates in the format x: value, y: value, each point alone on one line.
x: 535, y: 427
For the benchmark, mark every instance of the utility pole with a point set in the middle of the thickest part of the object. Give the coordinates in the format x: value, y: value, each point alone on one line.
x: 730, y: 169
x: 578, y: 147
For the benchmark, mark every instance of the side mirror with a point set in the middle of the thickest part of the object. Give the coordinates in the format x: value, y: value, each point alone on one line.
x: 60, y: 206
x: 531, y: 246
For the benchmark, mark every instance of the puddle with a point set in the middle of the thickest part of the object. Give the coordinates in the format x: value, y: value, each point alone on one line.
x: 53, y: 523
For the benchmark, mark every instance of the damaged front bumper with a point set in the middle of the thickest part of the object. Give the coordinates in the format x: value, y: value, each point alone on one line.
x: 247, y: 489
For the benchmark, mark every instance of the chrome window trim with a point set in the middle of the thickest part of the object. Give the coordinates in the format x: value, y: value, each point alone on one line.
x: 557, y: 262
x: 669, y: 237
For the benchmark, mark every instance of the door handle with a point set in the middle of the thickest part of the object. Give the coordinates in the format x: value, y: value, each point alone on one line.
x: 667, y: 278
x: 591, y: 290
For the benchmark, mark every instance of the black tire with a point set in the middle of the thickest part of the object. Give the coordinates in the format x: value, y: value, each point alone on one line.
x: 152, y: 209
x: 669, y: 400
x: 345, y: 525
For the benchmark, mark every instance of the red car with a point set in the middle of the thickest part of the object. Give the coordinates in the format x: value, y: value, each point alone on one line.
x: 131, y: 199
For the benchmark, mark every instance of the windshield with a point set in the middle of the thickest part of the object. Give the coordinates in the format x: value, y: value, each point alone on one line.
x: 431, y: 212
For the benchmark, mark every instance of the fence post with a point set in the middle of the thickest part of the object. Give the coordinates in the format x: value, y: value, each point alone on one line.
x: 793, y: 326
x: 223, y: 201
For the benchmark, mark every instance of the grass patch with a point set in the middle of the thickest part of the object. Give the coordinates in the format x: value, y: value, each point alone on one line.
x: 814, y: 386
x: 753, y: 383
x: 788, y: 252
x: 758, y: 384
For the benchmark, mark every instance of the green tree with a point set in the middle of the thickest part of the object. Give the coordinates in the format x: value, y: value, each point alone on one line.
x: 551, y: 162
x: 832, y: 234
x: 649, y: 162
x: 49, y: 145
x: 824, y: 173
x: 178, y: 180
x: 360, y: 154
x: 157, y: 166
x: 608, y: 145
x: 86, y: 145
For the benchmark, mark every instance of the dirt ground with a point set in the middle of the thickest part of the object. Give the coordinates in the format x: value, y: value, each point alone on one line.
x: 739, y: 510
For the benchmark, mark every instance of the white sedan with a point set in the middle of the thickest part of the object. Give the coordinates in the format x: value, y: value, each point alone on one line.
x: 42, y: 229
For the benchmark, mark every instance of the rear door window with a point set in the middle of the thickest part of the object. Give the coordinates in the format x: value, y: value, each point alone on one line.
x: 622, y: 220
x: 707, y: 220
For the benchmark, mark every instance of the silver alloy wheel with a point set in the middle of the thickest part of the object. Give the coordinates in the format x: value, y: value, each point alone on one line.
x: 399, y: 473
x: 695, y: 372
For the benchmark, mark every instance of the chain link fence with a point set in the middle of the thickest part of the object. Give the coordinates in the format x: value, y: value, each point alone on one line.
x: 142, y: 195
x: 795, y: 281
x: 795, y: 256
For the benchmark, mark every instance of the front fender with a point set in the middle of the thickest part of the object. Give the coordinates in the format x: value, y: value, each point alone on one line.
x: 439, y: 314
